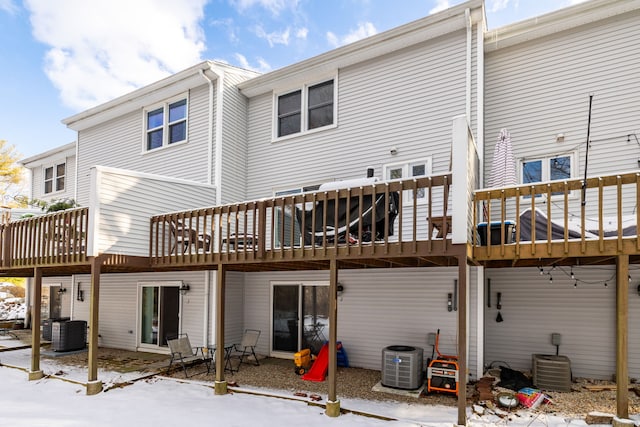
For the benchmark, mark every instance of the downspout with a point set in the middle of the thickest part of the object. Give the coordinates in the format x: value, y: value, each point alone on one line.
x: 467, y: 16
x: 467, y: 282
x: 207, y: 305
x: 215, y: 141
x: 480, y: 277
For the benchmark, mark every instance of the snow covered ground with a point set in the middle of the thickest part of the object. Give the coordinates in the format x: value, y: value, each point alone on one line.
x: 12, y: 308
x: 160, y: 401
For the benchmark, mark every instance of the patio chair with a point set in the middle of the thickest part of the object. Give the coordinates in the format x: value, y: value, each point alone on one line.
x: 246, y: 348
x: 182, y: 352
x: 185, y: 236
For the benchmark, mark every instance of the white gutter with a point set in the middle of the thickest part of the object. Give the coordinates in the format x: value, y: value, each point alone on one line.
x: 207, y: 306
x: 480, y: 144
x: 467, y: 18
x: 75, y: 184
x: 215, y: 142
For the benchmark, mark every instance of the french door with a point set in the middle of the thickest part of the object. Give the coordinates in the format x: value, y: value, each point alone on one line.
x: 159, y: 313
x: 299, y: 319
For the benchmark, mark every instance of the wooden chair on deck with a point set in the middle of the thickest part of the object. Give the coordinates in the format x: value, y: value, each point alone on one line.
x: 185, y: 236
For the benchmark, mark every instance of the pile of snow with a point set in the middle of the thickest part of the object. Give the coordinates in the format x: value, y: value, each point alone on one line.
x: 12, y: 308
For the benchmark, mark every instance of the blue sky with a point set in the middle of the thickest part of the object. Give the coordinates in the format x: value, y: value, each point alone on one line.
x: 58, y: 58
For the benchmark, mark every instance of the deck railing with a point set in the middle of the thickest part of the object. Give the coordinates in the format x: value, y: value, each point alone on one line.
x: 356, y: 221
x: 573, y: 217
x: 51, y: 239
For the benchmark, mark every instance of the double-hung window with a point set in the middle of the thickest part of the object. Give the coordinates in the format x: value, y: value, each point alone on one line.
x: 407, y: 170
x: 547, y: 168
x: 305, y: 109
x: 285, y: 218
x: 54, y: 177
x: 166, y: 124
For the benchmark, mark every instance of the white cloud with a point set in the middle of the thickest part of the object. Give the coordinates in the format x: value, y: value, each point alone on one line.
x: 572, y: 2
x: 262, y: 67
x: 364, y: 30
x: 301, y: 33
x: 274, y: 37
x: 100, y: 50
x: 8, y: 6
x: 498, y: 5
x: 229, y: 26
x: 440, y: 6
x: 273, y: 6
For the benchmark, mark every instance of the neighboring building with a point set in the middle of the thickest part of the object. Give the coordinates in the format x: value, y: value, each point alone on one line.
x: 427, y: 99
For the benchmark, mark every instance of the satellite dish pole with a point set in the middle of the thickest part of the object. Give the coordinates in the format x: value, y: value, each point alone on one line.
x: 586, y: 157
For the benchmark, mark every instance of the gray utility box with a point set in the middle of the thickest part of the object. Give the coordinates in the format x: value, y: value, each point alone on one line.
x: 47, y: 324
x: 402, y: 367
x: 551, y: 372
x: 69, y: 335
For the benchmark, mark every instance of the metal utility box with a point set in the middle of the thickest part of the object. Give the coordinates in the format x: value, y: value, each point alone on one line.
x: 509, y: 227
x: 551, y: 372
x: 47, y: 325
x: 69, y: 335
x: 402, y: 367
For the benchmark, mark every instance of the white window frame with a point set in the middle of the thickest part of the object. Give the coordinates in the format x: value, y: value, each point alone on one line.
x: 546, y: 173
x: 55, y: 177
x: 304, y: 109
x: 166, y: 124
x: 285, y: 192
x: 407, y: 173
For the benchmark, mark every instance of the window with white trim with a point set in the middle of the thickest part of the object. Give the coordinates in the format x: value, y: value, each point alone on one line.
x: 54, y: 178
x: 547, y: 168
x: 413, y: 169
x: 165, y: 124
x: 305, y: 109
x: 289, y: 216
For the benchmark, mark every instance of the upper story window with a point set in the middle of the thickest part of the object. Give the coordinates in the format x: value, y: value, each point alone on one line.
x: 166, y: 124
x: 547, y: 168
x: 407, y: 170
x: 305, y: 109
x: 54, y: 177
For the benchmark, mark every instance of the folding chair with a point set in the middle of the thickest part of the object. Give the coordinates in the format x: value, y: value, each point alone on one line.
x: 183, y: 353
x: 246, y: 348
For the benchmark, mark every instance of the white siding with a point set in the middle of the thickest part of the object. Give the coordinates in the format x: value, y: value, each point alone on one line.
x: 65, y: 298
x: 378, y: 308
x: 118, y: 323
x: 533, y: 308
x: 540, y: 88
x: 406, y: 99
x: 234, y: 142
x: 125, y: 202
x: 119, y: 143
x: 37, y: 183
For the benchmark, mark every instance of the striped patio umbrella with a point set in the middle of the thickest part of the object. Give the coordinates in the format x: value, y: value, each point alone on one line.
x: 503, y: 168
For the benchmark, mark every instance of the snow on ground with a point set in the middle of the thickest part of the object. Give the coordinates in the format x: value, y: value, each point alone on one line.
x: 160, y: 401
x: 12, y: 308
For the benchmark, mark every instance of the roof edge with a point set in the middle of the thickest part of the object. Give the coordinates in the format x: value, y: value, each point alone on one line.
x: 414, y: 32
x: 556, y: 21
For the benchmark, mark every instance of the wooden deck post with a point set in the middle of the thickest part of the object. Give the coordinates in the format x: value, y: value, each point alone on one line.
x: 462, y: 339
x: 36, y: 373
x: 622, y: 333
x: 220, y: 383
x: 333, y: 404
x: 94, y: 386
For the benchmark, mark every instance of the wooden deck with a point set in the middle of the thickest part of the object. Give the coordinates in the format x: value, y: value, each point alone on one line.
x: 568, y: 223
x: 384, y: 225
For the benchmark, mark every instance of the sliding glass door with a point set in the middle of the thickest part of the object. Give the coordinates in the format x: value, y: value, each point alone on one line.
x: 159, y: 314
x: 299, y: 317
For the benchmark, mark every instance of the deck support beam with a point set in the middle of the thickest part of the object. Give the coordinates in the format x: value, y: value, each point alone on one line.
x: 220, y: 384
x: 333, y: 404
x: 622, y: 333
x: 94, y: 386
x: 462, y: 339
x: 35, y: 373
